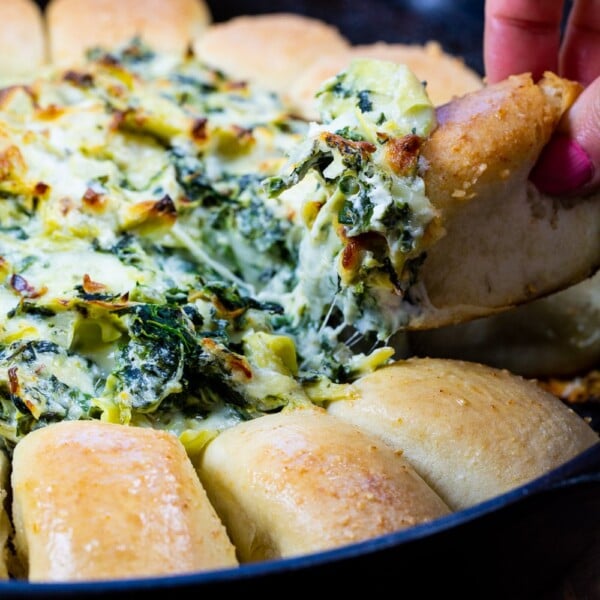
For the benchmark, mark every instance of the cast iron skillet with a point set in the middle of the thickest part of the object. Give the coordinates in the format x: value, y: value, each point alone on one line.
x: 514, y: 546
x: 511, y: 547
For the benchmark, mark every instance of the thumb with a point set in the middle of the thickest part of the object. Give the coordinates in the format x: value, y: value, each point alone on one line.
x: 570, y: 163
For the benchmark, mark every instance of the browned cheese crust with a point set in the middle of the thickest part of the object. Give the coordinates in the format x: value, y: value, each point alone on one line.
x: 94, y: 500
x: 270, y: 50
x: 74, y: 26
x: 302, y: 481
x: 471, y: 431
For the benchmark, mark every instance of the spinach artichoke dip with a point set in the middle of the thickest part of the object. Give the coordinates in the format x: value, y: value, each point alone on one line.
x: 178, y: 251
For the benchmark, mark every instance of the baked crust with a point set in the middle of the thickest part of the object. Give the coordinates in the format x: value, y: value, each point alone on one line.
x: 94, y: 500
x: 492, y: 136
x: 23, y: 40
x: 74, y: 26
x: 301, y: 481
x: 269, y: 50
x: 471, y: 431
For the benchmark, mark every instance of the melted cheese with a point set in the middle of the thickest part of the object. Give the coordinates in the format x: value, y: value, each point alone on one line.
x: 174, y: 245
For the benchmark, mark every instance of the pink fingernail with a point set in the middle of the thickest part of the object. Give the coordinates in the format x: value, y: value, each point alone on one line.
x: 563, y: 167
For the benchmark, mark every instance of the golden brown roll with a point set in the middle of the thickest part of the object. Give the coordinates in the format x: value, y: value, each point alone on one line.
x: 23, y: 40
x: 94, y: 500
x: 302, y: 481
x: 270, y: 49
x: 471, y: 431
x: 74, y: 26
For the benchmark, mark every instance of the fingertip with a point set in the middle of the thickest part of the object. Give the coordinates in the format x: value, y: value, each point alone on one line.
x: 563, y: 168
x: 512, y: 28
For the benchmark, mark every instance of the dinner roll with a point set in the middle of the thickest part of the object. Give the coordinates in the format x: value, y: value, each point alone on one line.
x: 94, y: 500
x: 554, y: 336
x: 23, y: 40
x: 471, y: 431
x: 169, y: 26
x: 270, y: 49
x: 444, y: 75
x: 298, y: 482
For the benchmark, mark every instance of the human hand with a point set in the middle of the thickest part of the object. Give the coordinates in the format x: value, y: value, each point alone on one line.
x: 525, y: 36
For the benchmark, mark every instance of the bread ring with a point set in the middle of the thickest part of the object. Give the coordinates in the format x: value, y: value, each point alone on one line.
x: 553, y: 336
x: 113, y: 165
